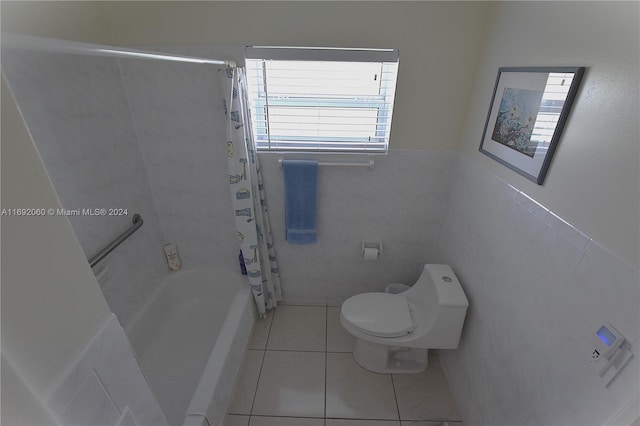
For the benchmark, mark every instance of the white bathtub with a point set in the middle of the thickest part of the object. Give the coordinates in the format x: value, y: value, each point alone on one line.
x: 190, y: 341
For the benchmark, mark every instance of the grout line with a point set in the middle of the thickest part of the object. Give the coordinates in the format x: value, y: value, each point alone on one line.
x: 395, y: 396
x: 326, y: 360
x: 288, y: 417
x: 296, y: 350
x: 264, y: 355
x: 320, y: 305
x: 343, y: 418
x: 255, y: 392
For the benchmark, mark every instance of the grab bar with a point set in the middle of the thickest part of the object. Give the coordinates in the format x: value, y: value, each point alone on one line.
x: 137, y: 223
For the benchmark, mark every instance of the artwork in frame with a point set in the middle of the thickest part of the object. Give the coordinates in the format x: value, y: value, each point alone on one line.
x: 526, y: 116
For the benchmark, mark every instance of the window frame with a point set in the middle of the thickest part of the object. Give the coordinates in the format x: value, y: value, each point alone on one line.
x: 260, y: 101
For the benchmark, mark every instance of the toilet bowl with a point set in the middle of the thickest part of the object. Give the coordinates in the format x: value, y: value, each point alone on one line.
x: 394, y: 331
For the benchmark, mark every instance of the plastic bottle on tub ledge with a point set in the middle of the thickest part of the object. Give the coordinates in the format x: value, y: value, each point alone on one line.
x: 173, y: 260
x: 243, y: 268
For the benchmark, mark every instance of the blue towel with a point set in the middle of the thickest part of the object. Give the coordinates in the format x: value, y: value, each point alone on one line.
x: 300, y: 189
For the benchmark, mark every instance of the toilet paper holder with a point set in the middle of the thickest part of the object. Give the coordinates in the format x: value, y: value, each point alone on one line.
x: 376, y: 245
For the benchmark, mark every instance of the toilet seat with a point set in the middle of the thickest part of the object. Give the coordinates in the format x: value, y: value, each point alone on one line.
x: 379, y: 314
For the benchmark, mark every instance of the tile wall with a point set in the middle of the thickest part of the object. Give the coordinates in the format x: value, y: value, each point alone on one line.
x: 105, y: 386
x: 77, y: 112
x: 399, y: 202
x: 538, y: 288
x: 179, y: 118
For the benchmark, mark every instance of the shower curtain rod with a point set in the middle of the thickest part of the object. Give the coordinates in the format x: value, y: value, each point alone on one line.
x: 52, y: 45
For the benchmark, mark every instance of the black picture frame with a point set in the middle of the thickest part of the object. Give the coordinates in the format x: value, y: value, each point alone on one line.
x: 528, y: 111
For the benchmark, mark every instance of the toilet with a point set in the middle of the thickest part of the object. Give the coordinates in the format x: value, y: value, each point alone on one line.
x: 394, y: 331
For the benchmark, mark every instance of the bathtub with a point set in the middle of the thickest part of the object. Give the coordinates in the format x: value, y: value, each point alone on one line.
x: 190, y: 340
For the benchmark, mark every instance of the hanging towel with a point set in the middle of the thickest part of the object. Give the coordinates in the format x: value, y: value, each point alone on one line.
x: 300, y: 188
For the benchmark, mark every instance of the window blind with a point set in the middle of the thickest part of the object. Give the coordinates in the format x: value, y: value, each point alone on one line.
x: 321, y: 99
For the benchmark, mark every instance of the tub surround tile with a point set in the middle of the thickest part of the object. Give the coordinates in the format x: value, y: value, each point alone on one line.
x: 91, y: 405
x: 353, y: 392
x: 247, y: 383
x: 88, y: 358
x: 127, y: 419
x: 147, y: 411
x: 104, y: 383
x: 425, y: 396
x: 298, y: 328
x: 338, y: 339
x: 291, y: 384
x: 180, y: 125
x: 77, y: 111
x: 121, y: 374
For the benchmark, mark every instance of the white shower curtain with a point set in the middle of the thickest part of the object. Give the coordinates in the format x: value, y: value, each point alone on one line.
x: 247, y: 194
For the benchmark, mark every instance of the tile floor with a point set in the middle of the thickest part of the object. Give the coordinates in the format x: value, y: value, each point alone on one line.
x: 299, y: 371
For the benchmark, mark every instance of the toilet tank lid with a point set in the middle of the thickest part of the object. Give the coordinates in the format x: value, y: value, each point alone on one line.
x: 448, y: 287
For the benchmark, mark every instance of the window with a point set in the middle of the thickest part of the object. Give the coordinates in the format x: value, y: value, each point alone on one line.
x: 321, y: 99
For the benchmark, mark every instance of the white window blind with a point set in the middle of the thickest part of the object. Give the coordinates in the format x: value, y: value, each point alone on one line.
x: 315, y: 99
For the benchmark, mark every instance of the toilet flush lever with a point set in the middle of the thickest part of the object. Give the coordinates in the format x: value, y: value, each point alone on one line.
x: 446, y: 279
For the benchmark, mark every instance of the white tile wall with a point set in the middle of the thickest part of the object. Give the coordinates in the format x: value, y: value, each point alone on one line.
x: 105, y: 385
x: 77, y: 112
x: 178, y: 121
x: 538, y: 288
x: 177, y: 109
x: 398, y: 202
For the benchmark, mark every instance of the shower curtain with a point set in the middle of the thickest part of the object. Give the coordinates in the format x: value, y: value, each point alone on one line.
x: 247, y: 194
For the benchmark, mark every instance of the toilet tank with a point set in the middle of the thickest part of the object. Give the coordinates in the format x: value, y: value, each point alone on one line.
x: 448, y: 288
x: 452, y: 305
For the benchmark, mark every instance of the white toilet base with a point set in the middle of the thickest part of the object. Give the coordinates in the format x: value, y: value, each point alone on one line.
x: 389, y: 359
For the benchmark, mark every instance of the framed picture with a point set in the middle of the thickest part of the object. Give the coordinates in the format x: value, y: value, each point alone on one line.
x: 528, y: 110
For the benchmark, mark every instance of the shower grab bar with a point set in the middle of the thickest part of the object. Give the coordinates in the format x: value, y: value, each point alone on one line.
x: 368, y: 164
x: 137, y: 223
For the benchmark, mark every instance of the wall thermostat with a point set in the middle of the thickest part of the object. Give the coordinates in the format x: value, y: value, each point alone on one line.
x: 608, y: 341
x: 610, y: 353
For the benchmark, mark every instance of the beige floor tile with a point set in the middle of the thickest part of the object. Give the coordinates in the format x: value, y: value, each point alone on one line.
x: 261, y: 331
x: 298, y: 328
x: 338, y: 339
x: 236, y: 420
x: 355, y: 393
x: 247, y: 383
x: 425, y: 396
x: 284, y: 421
x: 351, y: 422
x: 291, y: 384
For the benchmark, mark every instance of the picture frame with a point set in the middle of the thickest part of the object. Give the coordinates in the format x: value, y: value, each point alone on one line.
x: 527, y: 114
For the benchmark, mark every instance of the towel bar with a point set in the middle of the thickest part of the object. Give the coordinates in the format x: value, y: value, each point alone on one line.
x: 368, y: 164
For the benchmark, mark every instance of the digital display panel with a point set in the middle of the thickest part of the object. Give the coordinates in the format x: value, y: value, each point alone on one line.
x: 606, y: 336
